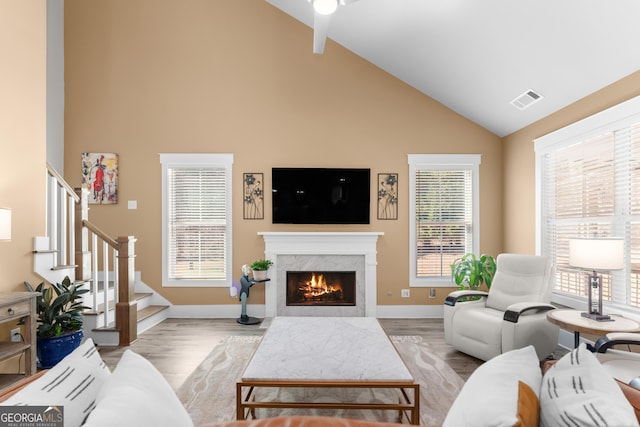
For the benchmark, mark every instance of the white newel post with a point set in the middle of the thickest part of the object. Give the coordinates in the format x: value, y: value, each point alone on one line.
x: 321, y: 243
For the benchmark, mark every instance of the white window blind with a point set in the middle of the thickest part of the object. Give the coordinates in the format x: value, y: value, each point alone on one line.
x: 443, y: 215
x: 197, y: 226
x: 588, y: 185
x: 579, y: 202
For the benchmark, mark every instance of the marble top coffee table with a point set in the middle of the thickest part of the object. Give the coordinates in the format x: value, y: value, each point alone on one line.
x: 340, y: 352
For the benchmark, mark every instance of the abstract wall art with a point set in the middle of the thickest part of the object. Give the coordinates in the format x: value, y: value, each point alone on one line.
x: 100, y: 177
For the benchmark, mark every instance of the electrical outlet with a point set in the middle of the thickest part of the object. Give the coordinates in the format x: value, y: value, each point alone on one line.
x: 15, y: 335
x: 405, y: 293
x: 432, y: 292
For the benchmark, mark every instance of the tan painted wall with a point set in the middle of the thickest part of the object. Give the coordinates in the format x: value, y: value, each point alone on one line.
x: 22, y: 143
x: 144, y: 77
x: 519, y: 160
x: 22, y: 135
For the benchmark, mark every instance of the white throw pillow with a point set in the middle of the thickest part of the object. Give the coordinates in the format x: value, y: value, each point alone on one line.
x: 578, y: 391
x: 137, y: 394
x: 490, y: 396
x: 73, y: 383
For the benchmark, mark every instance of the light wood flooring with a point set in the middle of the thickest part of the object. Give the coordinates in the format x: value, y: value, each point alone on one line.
x: 177, y: 346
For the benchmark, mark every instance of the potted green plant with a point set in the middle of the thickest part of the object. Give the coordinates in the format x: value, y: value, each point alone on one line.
x: 260, y: 267
x: 59, y: 317
x: 471, y: 271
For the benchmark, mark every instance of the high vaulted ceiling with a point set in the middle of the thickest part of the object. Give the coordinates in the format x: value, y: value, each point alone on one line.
x: 476, y: 56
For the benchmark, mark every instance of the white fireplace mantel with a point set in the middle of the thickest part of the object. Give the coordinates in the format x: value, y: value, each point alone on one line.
x: 322, y: 243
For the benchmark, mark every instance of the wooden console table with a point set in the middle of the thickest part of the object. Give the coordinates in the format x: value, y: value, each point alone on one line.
x: 13, y: 307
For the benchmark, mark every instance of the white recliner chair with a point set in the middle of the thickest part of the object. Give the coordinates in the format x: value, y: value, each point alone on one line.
x: 511, y: 315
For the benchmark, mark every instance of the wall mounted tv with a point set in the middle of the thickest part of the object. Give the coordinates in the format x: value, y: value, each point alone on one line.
x: 320, y: 195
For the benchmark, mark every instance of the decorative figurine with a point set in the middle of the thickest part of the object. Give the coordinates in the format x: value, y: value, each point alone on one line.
x: 245, y: 286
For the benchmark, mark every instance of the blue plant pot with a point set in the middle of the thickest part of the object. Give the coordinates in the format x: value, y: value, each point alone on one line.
x: 52, y: 350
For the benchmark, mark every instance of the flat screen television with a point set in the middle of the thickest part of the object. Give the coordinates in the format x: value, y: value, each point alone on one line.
x: 320, y: 195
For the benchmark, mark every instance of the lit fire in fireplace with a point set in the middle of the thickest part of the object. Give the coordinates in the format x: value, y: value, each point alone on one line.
x: 317, y: 287
x: 321, y: 288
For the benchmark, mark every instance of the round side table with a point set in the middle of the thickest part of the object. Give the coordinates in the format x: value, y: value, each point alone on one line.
x: 572, y: 320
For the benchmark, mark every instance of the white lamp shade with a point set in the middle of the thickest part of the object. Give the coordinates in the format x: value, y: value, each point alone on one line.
x: 596, y: 254
x: 325, y: 7
x: 5, y: 224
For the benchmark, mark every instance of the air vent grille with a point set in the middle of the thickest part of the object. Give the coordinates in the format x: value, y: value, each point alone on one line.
x: 526, y: 100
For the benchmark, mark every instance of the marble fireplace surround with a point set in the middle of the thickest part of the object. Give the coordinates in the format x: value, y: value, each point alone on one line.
x: 303, y: 251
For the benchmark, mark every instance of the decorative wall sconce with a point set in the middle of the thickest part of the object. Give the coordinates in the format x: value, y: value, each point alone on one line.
x: 596, y: 255
x: 5, y: 224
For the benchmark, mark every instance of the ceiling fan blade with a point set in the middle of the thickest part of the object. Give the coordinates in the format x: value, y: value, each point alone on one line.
x: 320, y: 30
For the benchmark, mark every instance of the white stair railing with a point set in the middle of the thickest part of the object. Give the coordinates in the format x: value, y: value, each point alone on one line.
x: 106, y: 256
x: 103, y: 273
x: 61, y: 201
x: 70, y: 232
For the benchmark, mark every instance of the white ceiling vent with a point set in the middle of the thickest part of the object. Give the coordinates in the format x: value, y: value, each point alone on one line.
x: 527, y: 99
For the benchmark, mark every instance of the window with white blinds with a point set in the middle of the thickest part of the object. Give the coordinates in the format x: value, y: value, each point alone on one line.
x: 196, y: 219
x: 443, y: 214
x: 588, y: 180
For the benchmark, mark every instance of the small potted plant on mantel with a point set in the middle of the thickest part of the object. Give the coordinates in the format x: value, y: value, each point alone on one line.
x: 259, y: 268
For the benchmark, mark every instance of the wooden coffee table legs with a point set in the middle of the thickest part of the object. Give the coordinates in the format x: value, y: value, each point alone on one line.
x: 408, y: 405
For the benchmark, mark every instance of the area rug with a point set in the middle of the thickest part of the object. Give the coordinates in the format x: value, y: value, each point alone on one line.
x: 208, y: 393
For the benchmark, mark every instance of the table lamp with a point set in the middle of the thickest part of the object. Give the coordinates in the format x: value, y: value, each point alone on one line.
x: 596, y: 254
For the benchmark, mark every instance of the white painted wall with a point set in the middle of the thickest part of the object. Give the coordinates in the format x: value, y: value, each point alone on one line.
x: 55, y: 84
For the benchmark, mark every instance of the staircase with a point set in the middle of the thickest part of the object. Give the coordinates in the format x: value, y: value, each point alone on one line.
x: 122, y: 305
x: 151, y: 310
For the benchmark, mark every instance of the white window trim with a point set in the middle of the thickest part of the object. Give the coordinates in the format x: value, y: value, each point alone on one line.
x: 441, y: 162
x: 611, y: 119
x: 170, y: 160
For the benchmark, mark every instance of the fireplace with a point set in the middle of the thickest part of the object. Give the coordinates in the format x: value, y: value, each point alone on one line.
x: 326, y: 288
x: 321, y: 251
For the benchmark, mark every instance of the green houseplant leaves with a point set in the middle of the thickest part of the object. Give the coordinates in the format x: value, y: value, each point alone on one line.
x: 472, y: 271
x: 58, y: 307
x: 261, y: 264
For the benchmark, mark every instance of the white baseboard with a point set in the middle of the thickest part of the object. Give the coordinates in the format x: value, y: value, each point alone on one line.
x: 221, y: 311
x: 410, y: 312
x: 566, y: 340
x: 230, y: 311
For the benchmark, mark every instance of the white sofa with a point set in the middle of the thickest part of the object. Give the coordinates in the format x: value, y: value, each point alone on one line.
x: 508, y: 390
x: 134, y: 394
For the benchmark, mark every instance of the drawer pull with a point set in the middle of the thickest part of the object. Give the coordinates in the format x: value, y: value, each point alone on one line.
x: 11, y: 312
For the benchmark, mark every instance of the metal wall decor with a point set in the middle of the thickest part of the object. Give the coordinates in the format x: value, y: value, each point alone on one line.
x: 253, y: 204
x: 387, y: 196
